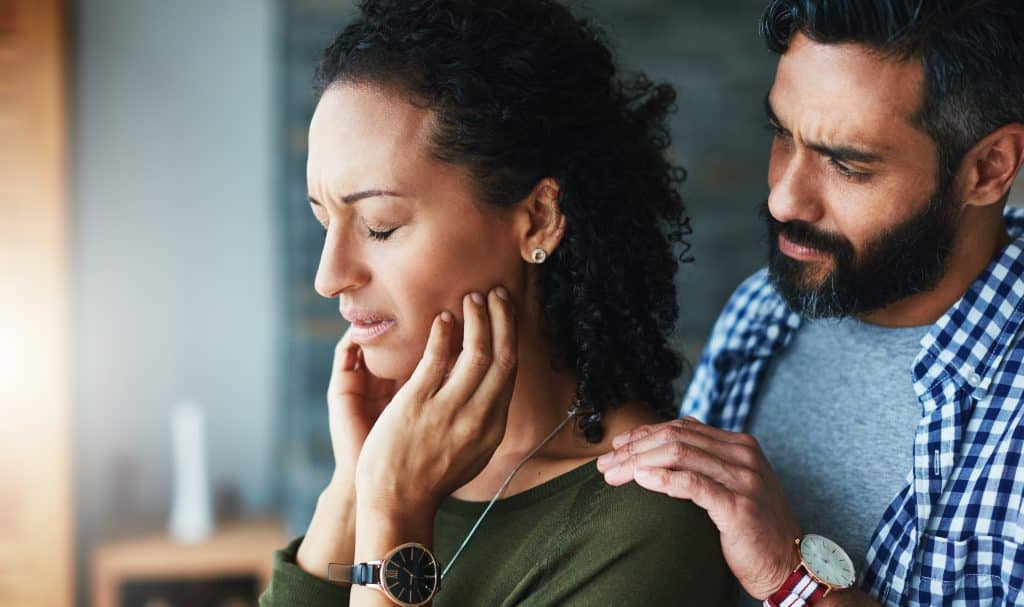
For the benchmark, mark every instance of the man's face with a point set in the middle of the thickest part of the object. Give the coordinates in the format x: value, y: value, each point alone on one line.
x: 857, y: 219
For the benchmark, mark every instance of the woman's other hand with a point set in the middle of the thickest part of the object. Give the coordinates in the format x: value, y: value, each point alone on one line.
x: 355, y: 399
x: 442, y: 427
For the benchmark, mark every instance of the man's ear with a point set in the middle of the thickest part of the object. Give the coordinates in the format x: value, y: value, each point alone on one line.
x: 540, y: 223
x: 989, y: 169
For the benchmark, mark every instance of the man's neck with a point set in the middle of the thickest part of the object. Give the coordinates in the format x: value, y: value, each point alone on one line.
x: 977, y: 246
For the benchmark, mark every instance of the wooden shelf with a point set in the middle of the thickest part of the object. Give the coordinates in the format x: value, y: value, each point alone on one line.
x: 236, y: 550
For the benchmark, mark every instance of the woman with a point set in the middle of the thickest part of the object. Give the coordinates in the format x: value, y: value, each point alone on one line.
x: 500, y: 221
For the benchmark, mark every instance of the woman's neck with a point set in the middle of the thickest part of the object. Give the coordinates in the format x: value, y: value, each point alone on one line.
x: 540, y: 401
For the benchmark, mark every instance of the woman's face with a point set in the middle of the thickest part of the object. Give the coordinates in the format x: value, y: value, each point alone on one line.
x: 406, y: 237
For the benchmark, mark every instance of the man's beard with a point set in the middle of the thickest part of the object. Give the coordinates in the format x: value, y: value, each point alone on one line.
x: 905, y: 260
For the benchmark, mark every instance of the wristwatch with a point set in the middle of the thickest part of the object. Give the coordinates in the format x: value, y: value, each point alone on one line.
x: 407, y: 575
x: 824, y: 567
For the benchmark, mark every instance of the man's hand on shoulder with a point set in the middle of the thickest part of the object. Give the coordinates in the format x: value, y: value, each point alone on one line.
x: 727, y: 474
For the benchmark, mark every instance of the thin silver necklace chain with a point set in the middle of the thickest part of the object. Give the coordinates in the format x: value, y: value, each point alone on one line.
x: 572, y: 413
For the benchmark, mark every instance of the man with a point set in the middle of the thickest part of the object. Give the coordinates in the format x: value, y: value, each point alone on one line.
x: 867, y: 386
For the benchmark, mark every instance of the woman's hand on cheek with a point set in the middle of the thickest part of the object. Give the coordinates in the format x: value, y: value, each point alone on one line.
x: 355, y: 399
x: 439, y: 432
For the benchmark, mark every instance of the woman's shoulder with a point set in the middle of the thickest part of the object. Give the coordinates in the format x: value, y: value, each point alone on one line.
x: 614, y: 536
x: 632, y: 510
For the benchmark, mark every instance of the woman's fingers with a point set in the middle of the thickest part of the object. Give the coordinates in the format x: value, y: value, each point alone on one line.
x: 495, y: 387
x: 430, y: 371
x: 346, y: 361
x: 476, y: 356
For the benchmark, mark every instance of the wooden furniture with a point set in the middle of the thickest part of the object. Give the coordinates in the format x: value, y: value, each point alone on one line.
x: 36, y: 536
x: 230, y: 569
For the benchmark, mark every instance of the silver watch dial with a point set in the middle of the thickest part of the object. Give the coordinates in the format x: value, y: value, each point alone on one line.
x: 827, y: 561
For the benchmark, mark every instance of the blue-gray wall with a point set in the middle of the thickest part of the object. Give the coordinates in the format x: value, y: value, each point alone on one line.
x: 175, y: 291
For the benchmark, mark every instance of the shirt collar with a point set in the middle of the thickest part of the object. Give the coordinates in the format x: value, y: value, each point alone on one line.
x: 968, y: 344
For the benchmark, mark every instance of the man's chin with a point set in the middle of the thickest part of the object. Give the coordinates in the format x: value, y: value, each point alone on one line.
x: 806, y: 276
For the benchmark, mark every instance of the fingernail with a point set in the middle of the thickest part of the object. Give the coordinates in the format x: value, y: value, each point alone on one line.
x: 446, y: 316
x: 502, y: 293
x: 477, y: 298
x: 605, y: 459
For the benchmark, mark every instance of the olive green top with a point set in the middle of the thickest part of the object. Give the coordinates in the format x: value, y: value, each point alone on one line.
x: 573, y: 540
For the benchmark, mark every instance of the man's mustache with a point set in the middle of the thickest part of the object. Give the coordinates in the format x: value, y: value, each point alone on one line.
x: 804, y: 234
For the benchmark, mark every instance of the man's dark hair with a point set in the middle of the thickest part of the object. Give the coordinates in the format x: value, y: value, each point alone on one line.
x: 972, y: 52
x: 522, y: 90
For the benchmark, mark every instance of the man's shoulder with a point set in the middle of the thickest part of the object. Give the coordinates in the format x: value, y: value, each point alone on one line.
x: 753, y: 292
x: 754, y: 307
x: 1014, y: 219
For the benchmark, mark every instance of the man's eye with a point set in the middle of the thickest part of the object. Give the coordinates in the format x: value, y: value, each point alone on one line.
x: 846, y: 171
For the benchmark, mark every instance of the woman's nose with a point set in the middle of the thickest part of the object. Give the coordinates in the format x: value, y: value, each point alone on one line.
x: 341, y: 268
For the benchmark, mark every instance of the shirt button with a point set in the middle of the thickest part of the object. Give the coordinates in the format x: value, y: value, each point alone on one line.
x: 974, y: 379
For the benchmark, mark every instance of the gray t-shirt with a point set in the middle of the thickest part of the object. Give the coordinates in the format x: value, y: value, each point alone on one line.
x: 836, y: 418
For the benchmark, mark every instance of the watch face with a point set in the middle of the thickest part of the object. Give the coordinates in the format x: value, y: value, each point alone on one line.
x: 827, y: 561
x: 409, y: 574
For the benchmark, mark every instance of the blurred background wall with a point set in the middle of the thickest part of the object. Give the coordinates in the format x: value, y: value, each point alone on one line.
x: 174, y: 252
x: 192, y: 251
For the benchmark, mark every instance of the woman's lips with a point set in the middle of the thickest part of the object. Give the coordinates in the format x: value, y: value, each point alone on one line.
x: 799, y: 251
x: 367, y: 325
x: 365, y: 333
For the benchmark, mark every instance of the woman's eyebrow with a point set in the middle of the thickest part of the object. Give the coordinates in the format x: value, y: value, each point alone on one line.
x: 351, y: 198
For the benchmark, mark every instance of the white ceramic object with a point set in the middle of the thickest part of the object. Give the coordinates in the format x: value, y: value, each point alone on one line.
x: 192, y: 506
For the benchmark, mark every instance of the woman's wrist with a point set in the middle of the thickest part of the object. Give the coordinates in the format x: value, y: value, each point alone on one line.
x: 381, y: 526
x: 331, y: 534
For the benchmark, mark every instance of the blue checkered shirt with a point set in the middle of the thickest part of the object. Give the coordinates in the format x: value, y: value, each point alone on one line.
x: 954, y: 535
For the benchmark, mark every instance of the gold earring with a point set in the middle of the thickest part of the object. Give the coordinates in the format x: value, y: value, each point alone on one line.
x: 539, y: 255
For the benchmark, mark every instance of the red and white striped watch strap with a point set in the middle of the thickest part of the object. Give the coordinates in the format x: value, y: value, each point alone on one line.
x: 799, y: 590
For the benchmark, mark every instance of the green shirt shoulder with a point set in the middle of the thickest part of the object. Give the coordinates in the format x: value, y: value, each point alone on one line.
x: 571, y: 541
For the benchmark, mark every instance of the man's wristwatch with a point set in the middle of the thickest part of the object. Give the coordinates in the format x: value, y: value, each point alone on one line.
x: 824, y: 568
x: 408, y: 575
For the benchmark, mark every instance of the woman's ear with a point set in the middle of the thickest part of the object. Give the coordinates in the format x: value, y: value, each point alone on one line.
x: 991, y: 166
x: 539, y: 222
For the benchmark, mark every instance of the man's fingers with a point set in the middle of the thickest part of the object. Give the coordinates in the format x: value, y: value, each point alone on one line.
x: 734, y: 447
x: 678, y: 456
x: 429, y: 373
x: 475, y: 358
x: 695, y: 425
x: 686, y: 484
x: 634, y: 434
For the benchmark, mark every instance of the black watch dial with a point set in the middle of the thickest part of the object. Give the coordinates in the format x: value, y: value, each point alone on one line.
x: 409, y: 574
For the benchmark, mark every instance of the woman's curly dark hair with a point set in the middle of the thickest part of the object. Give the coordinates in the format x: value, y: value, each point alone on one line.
x: 522, y: 90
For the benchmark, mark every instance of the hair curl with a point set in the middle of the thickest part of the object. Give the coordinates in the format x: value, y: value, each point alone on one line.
x: 522, y: 90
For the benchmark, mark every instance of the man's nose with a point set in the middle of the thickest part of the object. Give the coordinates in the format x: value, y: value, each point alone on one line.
x: 795, y: 193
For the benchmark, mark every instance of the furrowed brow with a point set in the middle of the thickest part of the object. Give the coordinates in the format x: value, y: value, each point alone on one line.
x: 357, y: 196
x: 844, y: 153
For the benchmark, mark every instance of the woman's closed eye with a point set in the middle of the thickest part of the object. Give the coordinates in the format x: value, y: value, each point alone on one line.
x: 374, y: 233
x: 380, y: 234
